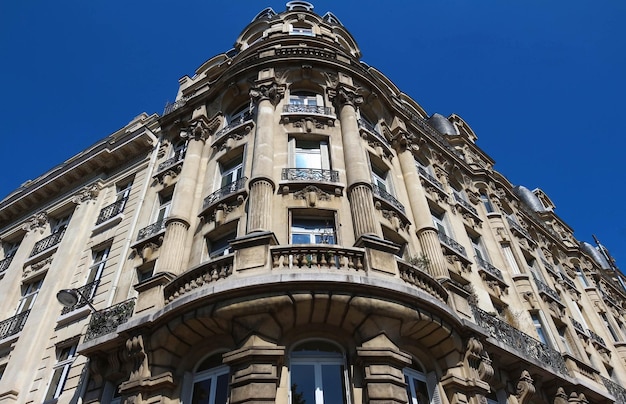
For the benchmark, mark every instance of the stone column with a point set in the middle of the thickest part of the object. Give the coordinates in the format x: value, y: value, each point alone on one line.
x: 266, y: 95
x: 425, y: 229
x: 172, y: 255
x: 358, y: 176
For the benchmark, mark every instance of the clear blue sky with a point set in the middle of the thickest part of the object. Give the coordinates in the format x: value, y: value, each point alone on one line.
x: 542, y: 83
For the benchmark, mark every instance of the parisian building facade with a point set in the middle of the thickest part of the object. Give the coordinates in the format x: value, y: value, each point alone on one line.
x: 296, y: 229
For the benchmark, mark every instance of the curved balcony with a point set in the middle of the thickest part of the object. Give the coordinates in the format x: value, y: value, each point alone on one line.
x: 387, y: 198
x: 151, y: 230
x: 452, y: 244
x: 230, y: 189
x: 309, y: 174
x: 318, y: 256
x: 235, y: 129
x: 205, y: 273
x: 422, y: 280
x: 299, y: 109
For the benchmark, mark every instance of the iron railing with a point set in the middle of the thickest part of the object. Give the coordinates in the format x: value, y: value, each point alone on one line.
x: 13, y: 325
x: 518, y: 227
x: 151, y: 230
x: 387, y: 197
x: 527, y: 346
x: 106, y: 321
x: 178, y: 156
x: 544, y: 288
x: 310, y: 174
x: 4, y: 264
x: 372, y: 129
x: 111, y: 211
x: 484, y: 264
x: 225, y: 191
x: 85, y: 295
x: 578, y: 326
x: 173, y: 106
x: 597, y: 338
x: 430, y: 178
x: 306, y: 109
x: 461, y: 201
x: 245, y: 117
x: 617, y: 391
x: 453, y: 244
x: 47, y: 242
x: 568, y: 281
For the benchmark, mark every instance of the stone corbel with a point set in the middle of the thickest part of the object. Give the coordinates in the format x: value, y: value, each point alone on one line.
x: 525, y: 388
x: 88, y: 193
x: 138, y: 358
x: 560, y: 396
x: 201, y: 127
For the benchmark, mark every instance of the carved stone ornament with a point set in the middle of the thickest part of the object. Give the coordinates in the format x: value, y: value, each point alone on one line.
x: 36, y: 267
x: 305, y: 194
x: 560, y: 397
x: 343, y: 95
x: 37, y: 221
x: 525, y: 388
x: 397, y: 222
x: 138, y: 358
x: 222, y: 210
x: 478, y: 360
x: 88, y: 193
x: 271, y: 91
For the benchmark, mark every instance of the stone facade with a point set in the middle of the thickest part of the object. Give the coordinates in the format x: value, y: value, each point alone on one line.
x: 296, y: 229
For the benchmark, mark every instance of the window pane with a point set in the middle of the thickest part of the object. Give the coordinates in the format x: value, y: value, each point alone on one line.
x: 221, y: 390
x: 201, y: 392
x: 332, y: 383
x: 55, y: 388
x: 300, y: 238
x: 302, y: 384
x: 308, y: 160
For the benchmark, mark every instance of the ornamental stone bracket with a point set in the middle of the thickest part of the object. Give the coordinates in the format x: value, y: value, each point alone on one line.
x: 562, y: 398
x: 222, y: 210
x: 267, y: 90
x: 37, y: 267
x: 397, y: 222
x: 345, y: 95
x: 311, y: 194
x: 201, y: 127
x: 524, y: 389
x: 37, y: 222
x: 88, y: 193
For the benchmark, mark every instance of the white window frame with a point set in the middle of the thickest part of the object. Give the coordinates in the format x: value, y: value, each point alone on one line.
x: 297, y: 147
x: 441, y: 223
x: 542, y: 329
x: 306, y: 98
x: 612, y: 330
x: 487, y: 203
x: 232, y: 169
x: 29, y: 295
x: 317, y: 359
x: 479, y: 248
x: 582, y: 277
x: 411, y: 375
x: 507, y: 250
x: 9, y: 249
x: 211, y: 374
x: 62, y: 367
x: 225, y: 249
x: 61, y: 224
x: 325, y: 233
x: 306, y: 31
x: 163, y: 210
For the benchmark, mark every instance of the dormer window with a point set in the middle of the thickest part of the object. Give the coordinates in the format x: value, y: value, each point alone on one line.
x: 306, y: 30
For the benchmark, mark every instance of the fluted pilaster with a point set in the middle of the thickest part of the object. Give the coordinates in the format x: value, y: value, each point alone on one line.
x: 357, y: 164
x: 260, y: 211
x: 266, y: 97
x: 172, y: 255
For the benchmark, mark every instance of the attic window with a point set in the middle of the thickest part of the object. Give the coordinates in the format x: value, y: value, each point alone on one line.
x: 301, y: 30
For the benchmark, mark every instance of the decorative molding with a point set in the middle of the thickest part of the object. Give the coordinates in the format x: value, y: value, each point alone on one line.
x: 36, y: 267
x: 271, y: 91
x: 88, y: 193
x: 525, y: 388
x: 345, y: 95
x: 36, y: 222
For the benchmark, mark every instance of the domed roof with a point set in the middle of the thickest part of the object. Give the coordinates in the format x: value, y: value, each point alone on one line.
x: 530, y: 199
x: 595, y: 254
x: 442, y: 124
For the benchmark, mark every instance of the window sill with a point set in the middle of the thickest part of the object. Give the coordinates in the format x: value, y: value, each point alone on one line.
x: 107, y: 224
x: 74, y: 315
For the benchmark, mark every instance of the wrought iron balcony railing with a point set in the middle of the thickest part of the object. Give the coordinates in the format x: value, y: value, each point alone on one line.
x: 372, y: 129
x: 523, y: 343
x: 578, y: 327
x: 47, y: 242
x: 151, y: 230
x: 178, y: 156
x: 13, y: 325
x: 173, y: 106
x: 544, y: 288
x: 106, y: 321
x: 617, y: 391
x: 430, y: 178
x: 111, y: 211
x: 387, y: 197
x: 306, y: 109
x: 453, y: 244
x: 4, y: 264
x: 484, y: 264
x: 310, y: 174
x: 88, y: 291
x: 597, y: 338
x: 568, y: 281
x: 245, y: 117
x: 518, y: 227
x: 225, y: 191
x: 461, y: 201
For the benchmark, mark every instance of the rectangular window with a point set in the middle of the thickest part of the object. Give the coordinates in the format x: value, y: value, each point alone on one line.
x: 123, y: 192
x: 479, y: 248
x: 486, y: 203
x: 310, y: 154
x: 608, y: 325
x: 59, y: 225
x: 439, y: 220
x: 564, y: 337
x: 541, y: 330
x: 165, y: 203
x: 29, y: 294
x: 416, y: 388
x: 2, y: 369
x: 9, y: 249
x: 582, y: 278
x: 305, y: 98
x: 308, y: 230
x: 211, y: 386
x: 510, y: 259
x: 231, y: 172
x: 65, y: 358
x: 221, y: 246
x: 380, y: 179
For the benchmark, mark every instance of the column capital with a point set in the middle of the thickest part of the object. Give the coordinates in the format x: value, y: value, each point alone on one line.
x: 88, y: 193
x: 268, y: 90
x: 37, y: 221
x: 201, y: 127
x: 345, y: 95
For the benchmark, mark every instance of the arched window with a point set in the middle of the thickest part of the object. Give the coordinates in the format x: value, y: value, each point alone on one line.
x: 317, y: 374
x: 210, y: 382
x: 416, y: 387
